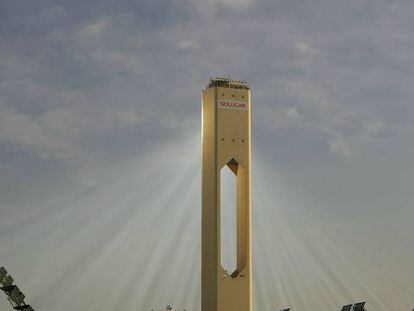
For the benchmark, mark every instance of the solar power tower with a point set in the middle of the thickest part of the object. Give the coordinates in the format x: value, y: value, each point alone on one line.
x: 226, y: 141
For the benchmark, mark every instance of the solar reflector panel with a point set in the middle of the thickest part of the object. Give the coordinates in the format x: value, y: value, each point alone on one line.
x: 359, y: 306
x: 7, y: 281
x: 3, y: 273
x: 16, y: 296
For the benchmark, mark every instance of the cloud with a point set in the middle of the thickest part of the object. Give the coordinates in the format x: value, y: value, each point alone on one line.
x: 317, y: 97
x: 373, y: 126
x: 86, y: 89
x: 24, y: 132
x: 323, y: 113
x: 58, y: 134
x: 339, y: 145
x: 305, y: 49
x: 349, y: 134
x: 236, y: 5
x: 48, y: 14
x: 96, y: 28
x: 185, y: 45
x: 293, y: 114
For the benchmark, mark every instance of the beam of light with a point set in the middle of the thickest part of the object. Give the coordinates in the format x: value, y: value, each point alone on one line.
x: 307, y: 263
x: 98, y: 251
x: 134, y: 244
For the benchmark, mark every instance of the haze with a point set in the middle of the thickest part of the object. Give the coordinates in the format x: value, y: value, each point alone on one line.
x: 100, y: 149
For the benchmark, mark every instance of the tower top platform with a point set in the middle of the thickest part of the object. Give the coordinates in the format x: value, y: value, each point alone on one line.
x: 227, y: 82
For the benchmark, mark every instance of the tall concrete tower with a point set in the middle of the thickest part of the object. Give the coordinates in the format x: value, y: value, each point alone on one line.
x: 226, y: 141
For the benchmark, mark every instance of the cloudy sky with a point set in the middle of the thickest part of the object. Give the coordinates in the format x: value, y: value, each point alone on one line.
x: 100, y: 149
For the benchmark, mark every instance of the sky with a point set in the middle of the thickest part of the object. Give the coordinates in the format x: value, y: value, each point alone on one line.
x: 100, y: 149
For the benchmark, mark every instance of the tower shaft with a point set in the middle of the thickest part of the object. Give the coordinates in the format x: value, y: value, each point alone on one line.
x: 226, y: 140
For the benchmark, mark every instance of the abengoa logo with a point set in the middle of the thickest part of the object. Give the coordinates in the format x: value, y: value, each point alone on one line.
x: 228, y: 104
